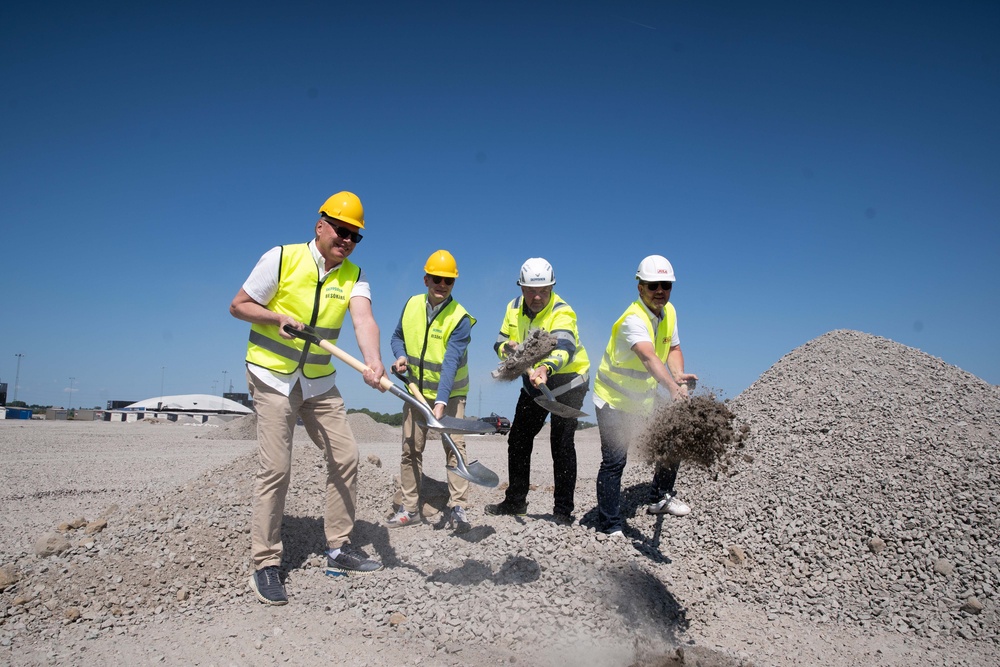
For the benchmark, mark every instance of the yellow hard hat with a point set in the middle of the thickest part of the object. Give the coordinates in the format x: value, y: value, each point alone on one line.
x: 346, y: 207
x: 441, y: 263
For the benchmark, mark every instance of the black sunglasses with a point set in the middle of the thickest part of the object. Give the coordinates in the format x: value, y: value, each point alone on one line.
x: 343, y: 232
x: 447, y: 281
x: 663, y: 284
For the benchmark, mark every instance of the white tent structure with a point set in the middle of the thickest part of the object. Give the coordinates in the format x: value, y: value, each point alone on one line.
x: 191, y: 403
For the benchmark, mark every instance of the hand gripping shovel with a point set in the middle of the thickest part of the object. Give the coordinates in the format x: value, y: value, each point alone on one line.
x: 444, y: 425
x: 549, y: 402
x: 474, y: 471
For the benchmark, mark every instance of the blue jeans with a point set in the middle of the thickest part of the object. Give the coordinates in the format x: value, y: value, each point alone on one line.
x: 618, y: 429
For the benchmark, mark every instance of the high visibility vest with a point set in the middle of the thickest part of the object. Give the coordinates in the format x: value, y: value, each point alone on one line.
x: 426, y: 343
x: 622, y: 380
x: 557, y: 318
x: 302, y: 295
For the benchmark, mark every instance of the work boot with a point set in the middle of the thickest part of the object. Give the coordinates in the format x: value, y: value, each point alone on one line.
x: 507, y: 508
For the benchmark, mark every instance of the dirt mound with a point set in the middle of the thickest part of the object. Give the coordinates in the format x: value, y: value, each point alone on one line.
x: 365, y: 429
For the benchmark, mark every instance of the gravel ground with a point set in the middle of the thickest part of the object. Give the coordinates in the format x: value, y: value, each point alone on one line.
x: 859, y: 527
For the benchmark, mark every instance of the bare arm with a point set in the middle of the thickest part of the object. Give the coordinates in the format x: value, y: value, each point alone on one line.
x: 367, y: 334
x: 245, y: 308
x: 647, y: 355
x: 675, y: 362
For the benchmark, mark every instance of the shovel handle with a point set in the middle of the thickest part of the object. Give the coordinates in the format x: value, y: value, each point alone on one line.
x: 307, y: 333
x: 412, y: 386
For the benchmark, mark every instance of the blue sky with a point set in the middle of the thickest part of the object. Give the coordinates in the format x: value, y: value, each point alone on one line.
x: 805, y: 166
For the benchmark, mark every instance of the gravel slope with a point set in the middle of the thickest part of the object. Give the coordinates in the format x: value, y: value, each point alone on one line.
x: 859, y: 524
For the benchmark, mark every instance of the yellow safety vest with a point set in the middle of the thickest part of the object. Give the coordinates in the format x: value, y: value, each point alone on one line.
x: 426, y: 343
x: 557, y: 317
x: 302, y: 295
x: 622, y: 380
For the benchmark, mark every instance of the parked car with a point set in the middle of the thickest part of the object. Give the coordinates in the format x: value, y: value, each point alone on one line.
x: 501, y: 424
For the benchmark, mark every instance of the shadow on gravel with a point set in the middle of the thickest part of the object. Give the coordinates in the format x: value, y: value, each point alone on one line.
x: 642, y: 600
x: 515, y: 571
x: 377, y: 536
x: 302, y: 537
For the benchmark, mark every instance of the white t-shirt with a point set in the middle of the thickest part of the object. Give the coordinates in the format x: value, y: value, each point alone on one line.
x: 261, y: 286
x: 633, y: 330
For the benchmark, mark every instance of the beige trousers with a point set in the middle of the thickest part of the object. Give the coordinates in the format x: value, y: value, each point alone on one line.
x: 411, y: 463
x: 325, y: 420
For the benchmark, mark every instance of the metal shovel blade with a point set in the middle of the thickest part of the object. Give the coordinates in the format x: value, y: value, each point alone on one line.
x: 549, y: 402
x: 474, y: 471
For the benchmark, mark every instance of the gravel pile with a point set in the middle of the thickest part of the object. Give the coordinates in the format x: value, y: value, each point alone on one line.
x: 870, y: 493
x: 867, y: 495
x: 365, y: 429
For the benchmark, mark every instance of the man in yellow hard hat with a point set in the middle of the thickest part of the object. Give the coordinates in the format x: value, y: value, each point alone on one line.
x: 643, y: 353
x: 564, y: 372
x: 306, y: 283
x: 430, y: 344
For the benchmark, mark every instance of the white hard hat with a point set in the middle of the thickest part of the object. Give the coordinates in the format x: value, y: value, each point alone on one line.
x: 654, y: 268
x: 536, y: 272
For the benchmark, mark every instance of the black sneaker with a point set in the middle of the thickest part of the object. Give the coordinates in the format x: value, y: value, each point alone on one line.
x: 507, y: 509
x: 458, y: 520
x: 563, y: 518
x: 349, y: 561
x: 266, y: 585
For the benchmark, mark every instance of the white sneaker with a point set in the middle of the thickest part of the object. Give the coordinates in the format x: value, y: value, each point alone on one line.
x: 402, y: 518
x: 669, y: 505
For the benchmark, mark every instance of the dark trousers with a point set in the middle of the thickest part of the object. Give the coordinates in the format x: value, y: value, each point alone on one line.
x: 529, y: 417
x: 618, y: 430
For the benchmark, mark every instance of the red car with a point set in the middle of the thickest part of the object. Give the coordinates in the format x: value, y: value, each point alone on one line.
x: 501, y: 424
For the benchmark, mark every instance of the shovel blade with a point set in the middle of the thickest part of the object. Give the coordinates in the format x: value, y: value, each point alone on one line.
x: 476, y: 472
x: 557, y: 408
x: 455, y: 425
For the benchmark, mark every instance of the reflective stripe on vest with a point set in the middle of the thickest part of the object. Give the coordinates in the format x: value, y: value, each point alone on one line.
x: 301, y: 295
x: 517, y: 325
x: 426, y: 344
x: 624, y: 382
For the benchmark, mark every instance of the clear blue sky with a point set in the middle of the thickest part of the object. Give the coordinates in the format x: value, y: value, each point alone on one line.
x: 805, y: 166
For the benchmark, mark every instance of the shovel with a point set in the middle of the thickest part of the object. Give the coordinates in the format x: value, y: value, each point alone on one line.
x: 549, y: 402
x: 444, y: 425
x: 474, y: 471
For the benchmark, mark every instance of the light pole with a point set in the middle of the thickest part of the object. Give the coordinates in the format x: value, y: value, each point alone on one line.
x: 71, y: 393
x: 163, y: 370
x: 17, y: 377
x: 224, y: 382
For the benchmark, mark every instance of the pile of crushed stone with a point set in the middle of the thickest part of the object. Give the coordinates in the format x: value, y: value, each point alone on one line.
x: 870, y: 493
x: 868, y: 496
x: 365, y: 429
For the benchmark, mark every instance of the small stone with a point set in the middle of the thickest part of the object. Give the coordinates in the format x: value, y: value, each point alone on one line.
x: 95, y: 527
x: 972, y: 605
x: 51, y: 543
x: 944, y: 566
x: 396, y: 618
x: 737, y: 554
x: 8, y: 576
x: 375, y: 460
x: 78, y: 522
x: 71, y: 614
x: 183, y: 595
x: 876, y: 545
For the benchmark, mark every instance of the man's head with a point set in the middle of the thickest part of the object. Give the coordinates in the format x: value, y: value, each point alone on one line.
x: 440, y: 272
x: 536, y: 280
x: 656, y: 278
x: 337, y: 230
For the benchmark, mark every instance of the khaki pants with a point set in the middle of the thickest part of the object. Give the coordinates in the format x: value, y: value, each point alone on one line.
x: 411, y: 463
x: 325, y: 420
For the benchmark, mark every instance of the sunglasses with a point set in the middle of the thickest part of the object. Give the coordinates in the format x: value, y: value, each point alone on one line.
x: 665, y: 285
x: 447, y: 281
x: 343, y: 232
